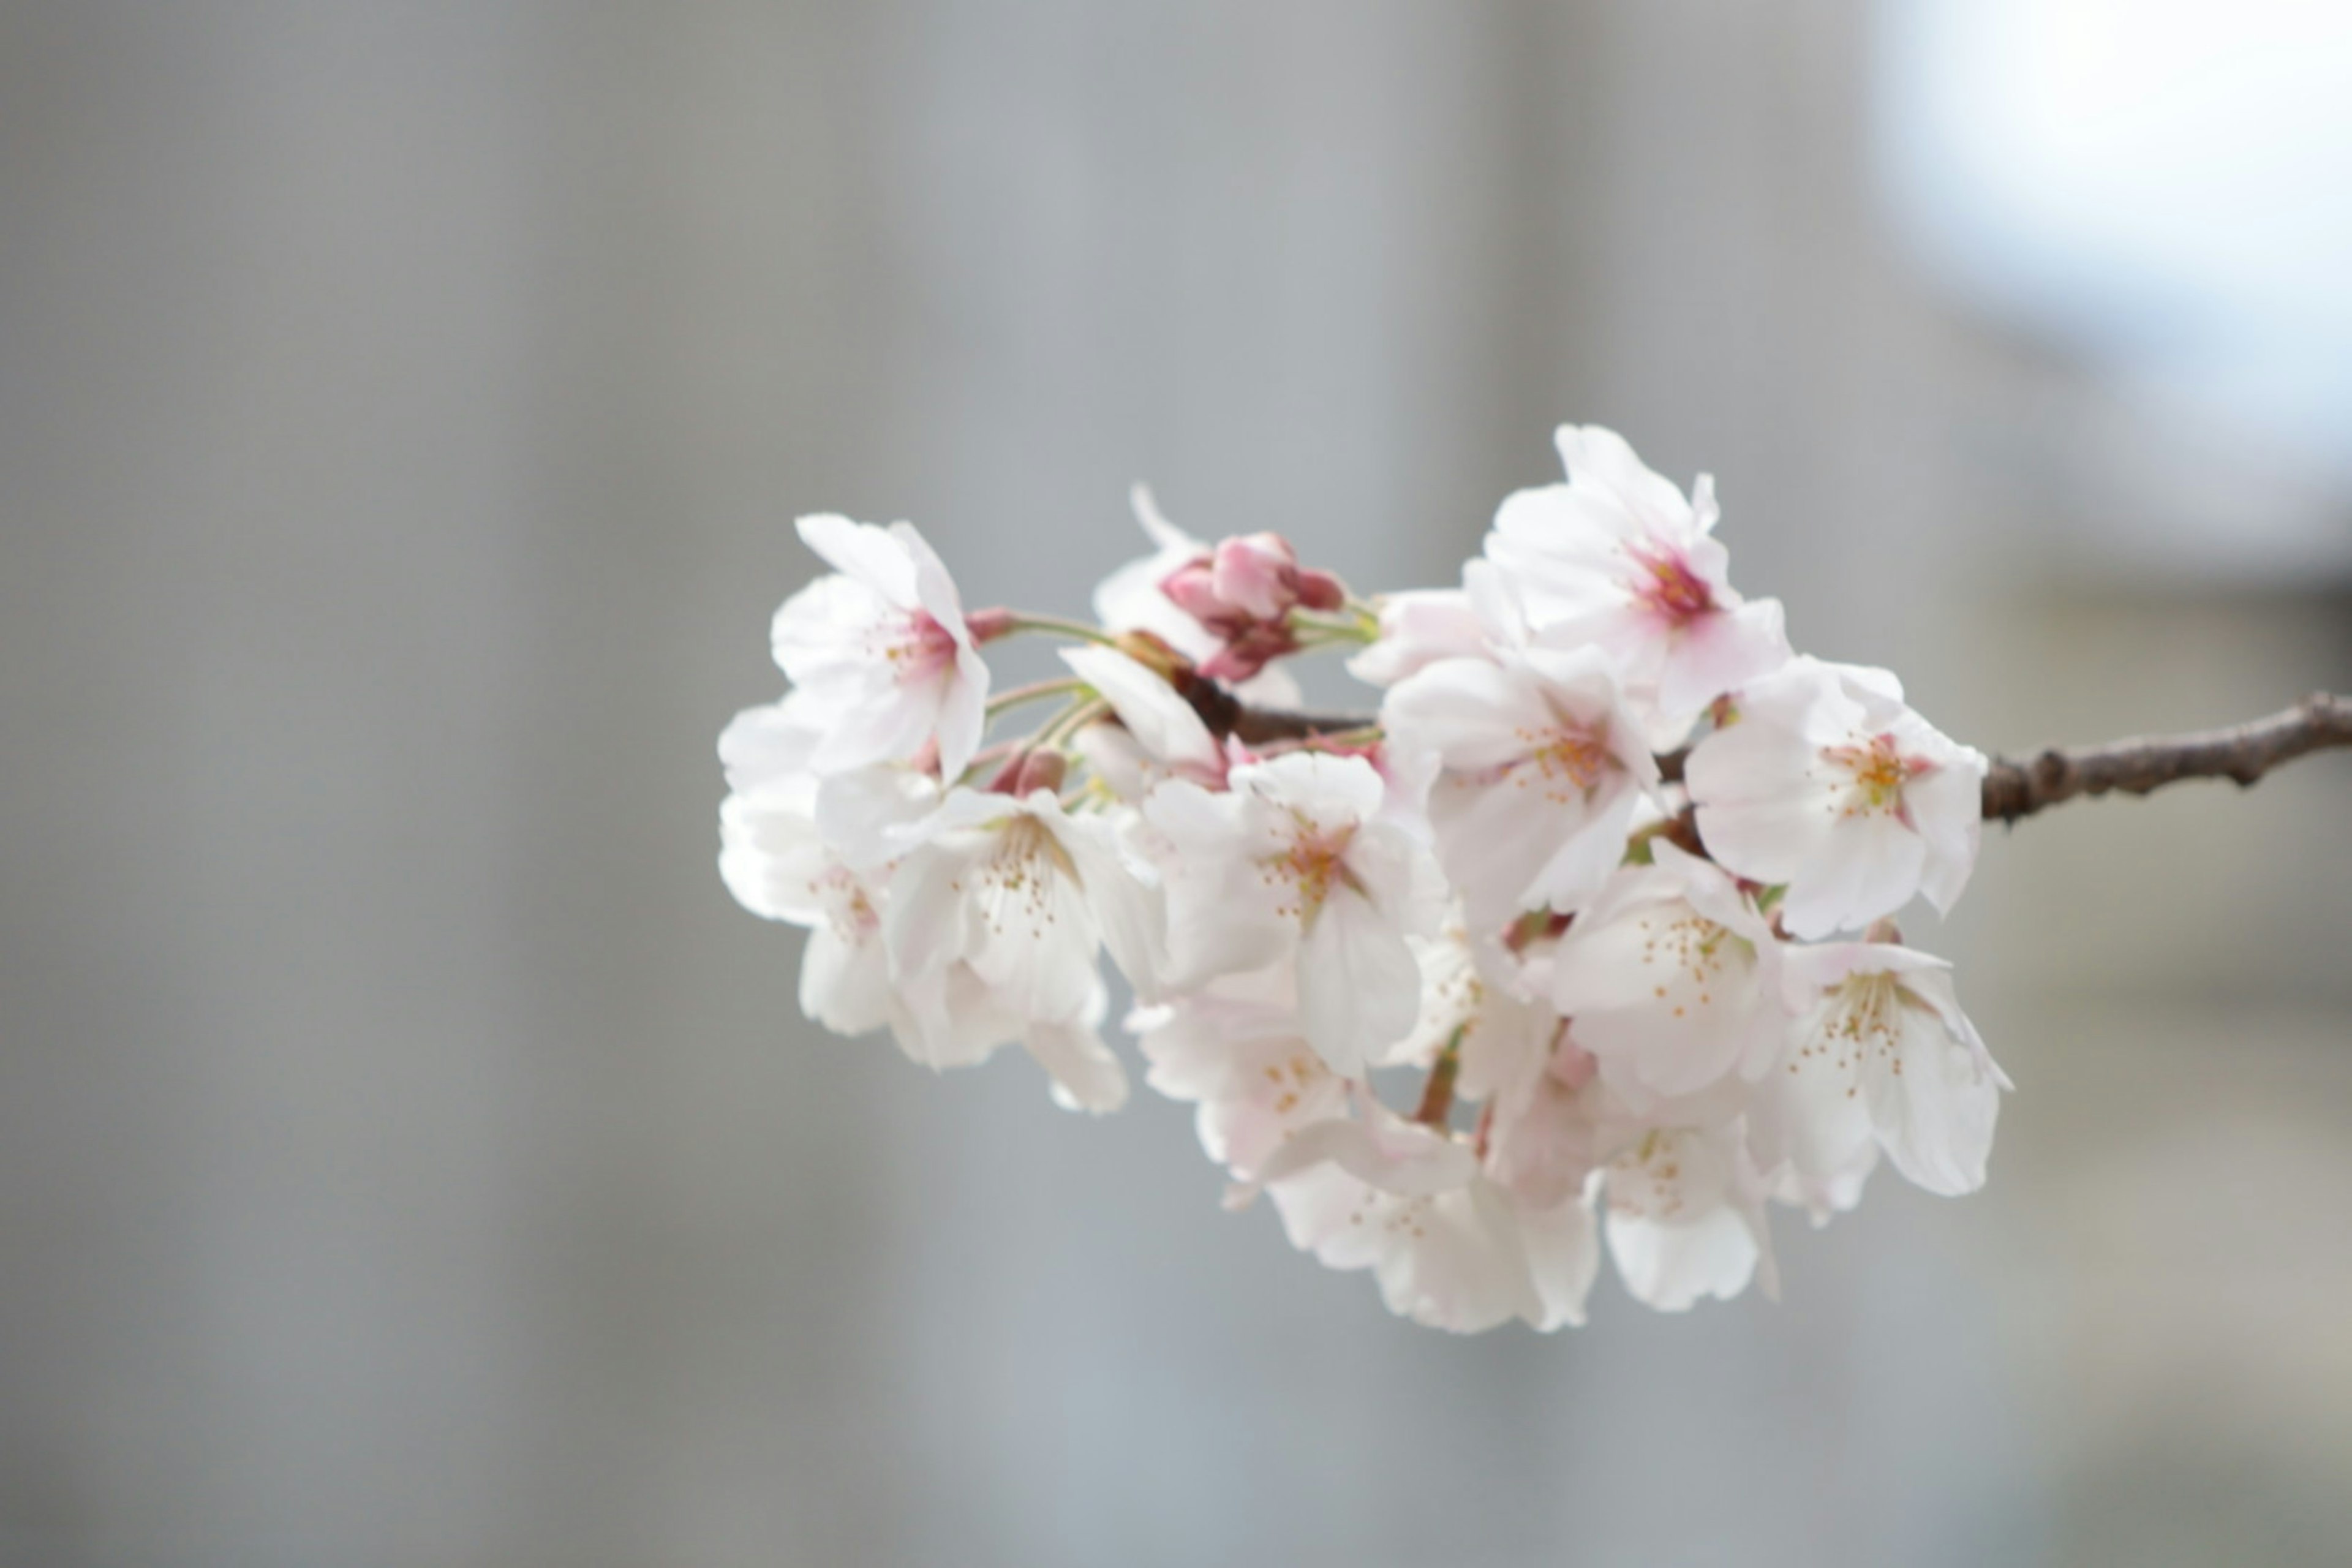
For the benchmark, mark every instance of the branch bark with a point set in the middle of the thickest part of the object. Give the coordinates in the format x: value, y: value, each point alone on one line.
x: 2243, y: 752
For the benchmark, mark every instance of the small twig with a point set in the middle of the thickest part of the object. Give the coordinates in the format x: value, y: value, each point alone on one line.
x: 2012, y: 790
x: 1437, y: 1092
x: 2243, y: 753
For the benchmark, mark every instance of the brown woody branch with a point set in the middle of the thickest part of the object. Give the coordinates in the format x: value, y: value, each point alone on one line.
x: 2243, y: 753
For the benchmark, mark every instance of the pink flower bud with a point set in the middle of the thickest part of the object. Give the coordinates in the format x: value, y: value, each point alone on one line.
x: 987, y: 626
x: 1255, y: 573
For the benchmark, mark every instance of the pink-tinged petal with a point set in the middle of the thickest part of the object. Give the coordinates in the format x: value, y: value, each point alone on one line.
x: 1597, y: 456
x: 1418, y: 628
x: 1546, y: 1140
x: 868, y: 556
x: 1358, y: 987
x: 1721, y: 652
x: 1255, y: 573
x: 1085, y: 1074
x: 1473, y: 712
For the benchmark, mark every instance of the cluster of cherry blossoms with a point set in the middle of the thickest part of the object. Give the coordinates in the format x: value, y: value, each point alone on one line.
x: 1587, y: 935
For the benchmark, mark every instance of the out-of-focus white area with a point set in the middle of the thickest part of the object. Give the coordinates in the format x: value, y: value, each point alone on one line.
x: 408, y: 1154
x: 2156, y: 185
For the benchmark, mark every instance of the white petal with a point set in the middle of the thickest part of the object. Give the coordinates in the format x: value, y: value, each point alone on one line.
x: 1163, y: 722
x: 1936, y: 1115
x: 1866, y: 867
x: 845, y: 984
x: 1418, y: 628
x: 1086, y: 1075
x: 1722, y: 652
x: 962, y: 712
x: 1563, y: 1252
x: 763, y: 745
x: 866, y: 554
x: 1358, y: 987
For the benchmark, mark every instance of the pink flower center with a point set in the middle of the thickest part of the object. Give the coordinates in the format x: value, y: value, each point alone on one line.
x: 1880, y: 770
x: 1305, y: 868
x: 1668, y: 586
x: 1567, y: 761
x: 920, y: 650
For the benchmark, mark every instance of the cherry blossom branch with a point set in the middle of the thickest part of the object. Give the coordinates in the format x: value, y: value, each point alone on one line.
x: 2243, y: 752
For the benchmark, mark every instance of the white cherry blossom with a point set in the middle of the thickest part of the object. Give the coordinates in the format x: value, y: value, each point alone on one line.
x: 1671, y: 977
x: 1829, y: 784
x: 881, y: 649
x: 1541, y: 768
x: 1685, y: 1210
x: 1449, y: 1248
x: 994, y: 920
x: 1298, y: 859
x: 1233, y: 1047
x: 1880, y: 1056
x: 780, y: 866
x: 1616, y: 558
x: 1418, y: 627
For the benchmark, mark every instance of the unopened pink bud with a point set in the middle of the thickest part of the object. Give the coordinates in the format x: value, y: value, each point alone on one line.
x: 1256, y: 574
x: 1041, y: 769
x: 1191, y: 587
x: 986, y: 626
x: 1321, y: 590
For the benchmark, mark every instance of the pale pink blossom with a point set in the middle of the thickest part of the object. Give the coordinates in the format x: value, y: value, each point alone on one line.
x: 996, y: 913
x: 1541, y: 767
x: 1449, y: 1248
x: 1616, y: 558
x: 880, y: 648
x: 1671, y: 977
x: 1685, y: 1216
x: 1233, y: 1047
x: 1828, y: 784
x: 1880, y: 1056
x: 1298, y: 860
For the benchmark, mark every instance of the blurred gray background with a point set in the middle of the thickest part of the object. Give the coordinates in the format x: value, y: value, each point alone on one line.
x: 408, y: 1155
